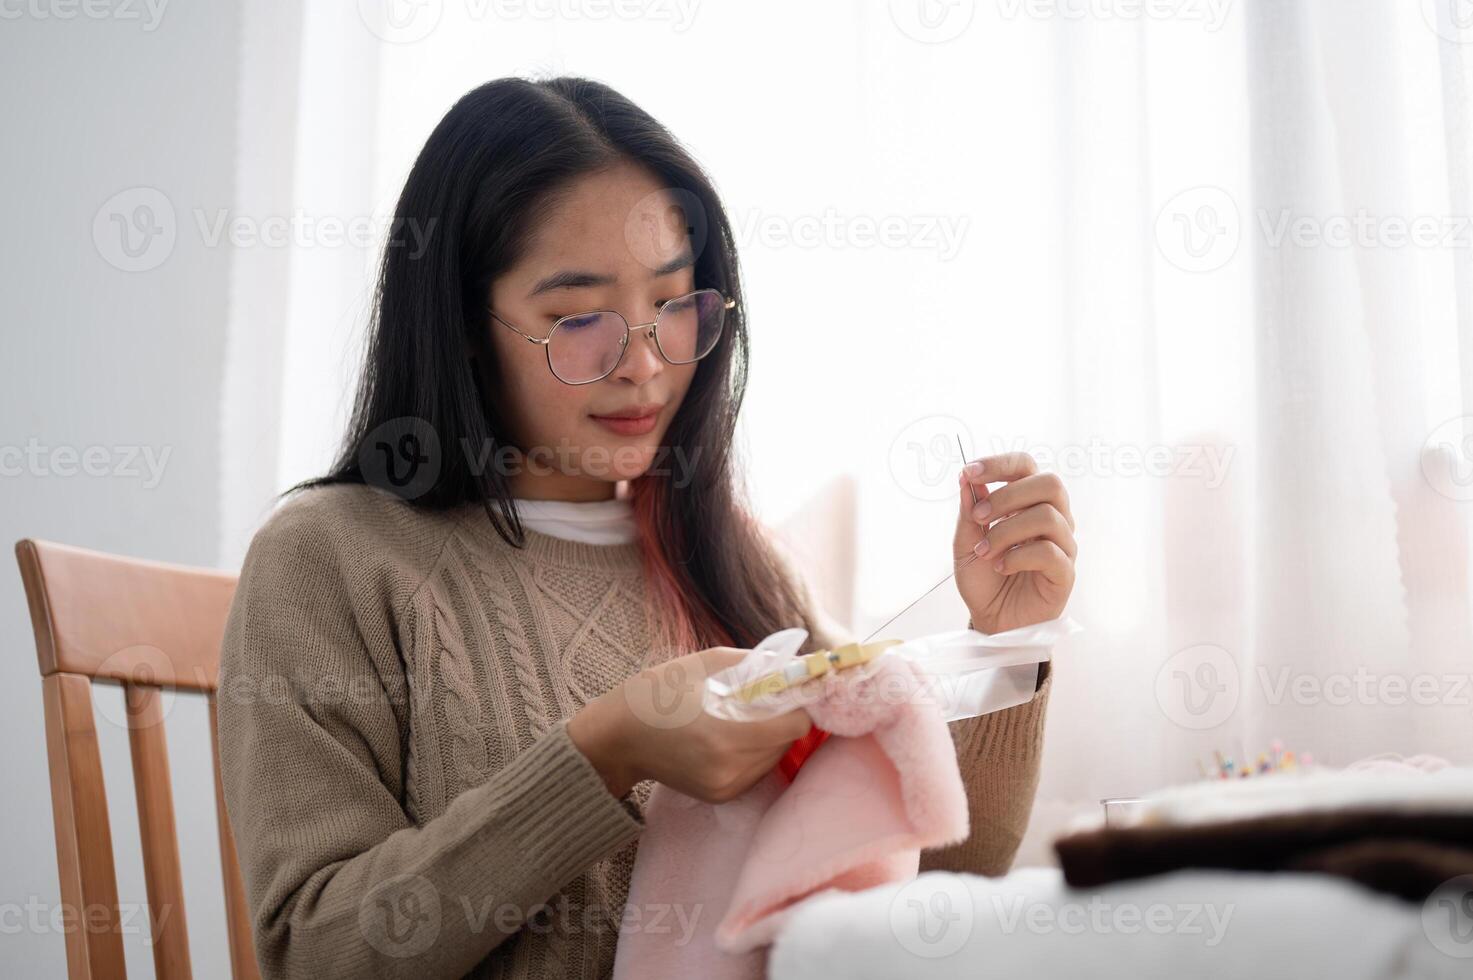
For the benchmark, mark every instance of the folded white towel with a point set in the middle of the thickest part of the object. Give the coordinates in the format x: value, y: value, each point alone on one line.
x: 1202, y: 925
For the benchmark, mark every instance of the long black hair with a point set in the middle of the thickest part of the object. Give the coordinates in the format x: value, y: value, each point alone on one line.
x: 486, y: 175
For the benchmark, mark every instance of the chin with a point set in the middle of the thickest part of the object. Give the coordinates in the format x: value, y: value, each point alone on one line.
x: 615, y: 460
x: 627, y: 464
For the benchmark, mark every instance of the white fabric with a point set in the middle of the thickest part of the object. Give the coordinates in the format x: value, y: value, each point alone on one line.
x: 591, y: 521
x: 966, y: 672
x: 1204, y: 925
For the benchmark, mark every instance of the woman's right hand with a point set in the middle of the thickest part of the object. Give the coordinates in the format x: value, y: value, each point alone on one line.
x: 653, y: 726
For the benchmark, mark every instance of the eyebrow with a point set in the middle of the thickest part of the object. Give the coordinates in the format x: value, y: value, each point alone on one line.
x: 579, y: 279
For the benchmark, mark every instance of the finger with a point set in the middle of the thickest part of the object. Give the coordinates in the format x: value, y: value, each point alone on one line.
x: 778, y: 730
x: 1043, y: 557
x: 1039, y: 521
x: 1002, y: 468
x: 971, y: 496
x: 1029, y: 491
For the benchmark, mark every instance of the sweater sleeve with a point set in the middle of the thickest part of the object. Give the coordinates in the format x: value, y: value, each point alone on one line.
x: 312, y: 722
x: 999, y: 755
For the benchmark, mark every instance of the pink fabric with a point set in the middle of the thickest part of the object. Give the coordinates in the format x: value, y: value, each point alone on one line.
x: 861, y: 809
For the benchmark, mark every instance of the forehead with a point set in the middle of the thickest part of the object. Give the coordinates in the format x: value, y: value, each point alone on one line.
x: 622, y: 221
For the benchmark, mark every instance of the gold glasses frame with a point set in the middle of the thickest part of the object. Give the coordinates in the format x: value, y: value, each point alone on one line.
x: 650, y: 329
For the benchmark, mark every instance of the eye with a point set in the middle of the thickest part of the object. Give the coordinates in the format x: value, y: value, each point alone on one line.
x: 578, y: 322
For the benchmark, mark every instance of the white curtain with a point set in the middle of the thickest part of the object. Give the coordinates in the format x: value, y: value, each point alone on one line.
x: 1208, y: 259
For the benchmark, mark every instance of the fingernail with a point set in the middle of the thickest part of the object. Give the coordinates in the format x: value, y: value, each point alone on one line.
x: 982, y: 547
x: 997, y: 567
x: 983, y: 508
x: 974, y: 469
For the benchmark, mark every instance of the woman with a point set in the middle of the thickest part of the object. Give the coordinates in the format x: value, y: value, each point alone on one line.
x: 444, y: 676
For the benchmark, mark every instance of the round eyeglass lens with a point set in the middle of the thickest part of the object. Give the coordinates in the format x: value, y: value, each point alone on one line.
x: 688, y: 327
x: 585, y: 348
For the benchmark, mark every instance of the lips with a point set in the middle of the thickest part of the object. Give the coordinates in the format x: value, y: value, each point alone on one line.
x: 635, y: 420
x: 632, y: 412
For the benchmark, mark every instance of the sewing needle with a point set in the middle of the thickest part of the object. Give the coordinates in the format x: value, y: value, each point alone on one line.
x: 907, y: 608
x: 953, y: 571
x: 963, y: 451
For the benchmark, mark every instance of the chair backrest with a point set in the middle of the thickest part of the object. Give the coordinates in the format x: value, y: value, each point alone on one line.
x: 151, y: 627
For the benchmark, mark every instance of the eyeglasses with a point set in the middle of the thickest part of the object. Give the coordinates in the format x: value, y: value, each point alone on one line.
x: 587, y: 347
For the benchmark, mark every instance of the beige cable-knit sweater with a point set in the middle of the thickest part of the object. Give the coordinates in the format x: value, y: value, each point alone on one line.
x: 406, y: 802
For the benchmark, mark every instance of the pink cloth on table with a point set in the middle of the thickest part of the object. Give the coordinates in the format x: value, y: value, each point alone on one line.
x: 713, y: 884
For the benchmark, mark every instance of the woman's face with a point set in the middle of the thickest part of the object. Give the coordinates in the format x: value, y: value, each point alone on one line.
x: 608, y: 244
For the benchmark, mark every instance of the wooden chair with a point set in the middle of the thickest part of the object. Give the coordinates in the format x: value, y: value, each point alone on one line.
x: 149, y: 626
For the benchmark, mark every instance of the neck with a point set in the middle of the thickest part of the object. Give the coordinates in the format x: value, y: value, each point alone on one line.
x: 560, y: 486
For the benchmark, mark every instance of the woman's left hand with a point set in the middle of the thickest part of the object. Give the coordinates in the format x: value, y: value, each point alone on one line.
x: 1023, y: 534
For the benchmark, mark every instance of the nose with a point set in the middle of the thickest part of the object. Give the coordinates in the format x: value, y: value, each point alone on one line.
x: 641, y: 360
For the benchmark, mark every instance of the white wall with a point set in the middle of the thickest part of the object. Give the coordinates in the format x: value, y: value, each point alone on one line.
x: 143, y: 103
